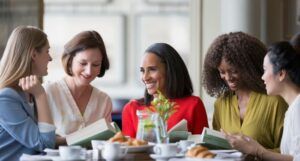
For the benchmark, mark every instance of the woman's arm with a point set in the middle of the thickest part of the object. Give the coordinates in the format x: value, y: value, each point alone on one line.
x: 32, y: 85
x: 17, y: 120
x: 199, y: 118
x: 60, y: 141
x: 127, y: 120
x: 247, y: 145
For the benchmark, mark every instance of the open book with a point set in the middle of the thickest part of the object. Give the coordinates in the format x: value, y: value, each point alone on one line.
x: 179, y: 131
x: 99, y: 130
x: 214, y: 139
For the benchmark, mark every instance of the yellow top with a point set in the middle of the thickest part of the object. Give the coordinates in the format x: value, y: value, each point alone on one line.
x: 263, y: 120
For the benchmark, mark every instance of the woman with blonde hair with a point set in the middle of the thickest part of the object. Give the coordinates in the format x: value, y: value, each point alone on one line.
x: 26, y: 125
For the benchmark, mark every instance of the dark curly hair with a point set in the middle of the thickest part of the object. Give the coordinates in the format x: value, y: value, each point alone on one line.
x: 283, y: 56
x: 242, y: 51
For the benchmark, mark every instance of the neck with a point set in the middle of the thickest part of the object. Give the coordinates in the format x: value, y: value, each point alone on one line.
x: 243, y: 93
x: 76, y: 90
x: 290, y: 92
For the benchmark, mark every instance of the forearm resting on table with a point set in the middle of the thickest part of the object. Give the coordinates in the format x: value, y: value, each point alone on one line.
x: 269, y: 155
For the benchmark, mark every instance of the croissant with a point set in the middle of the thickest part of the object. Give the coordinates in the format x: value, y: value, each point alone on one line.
x: 199, y: 152
x: 119, y: 137
x: 137, y: 142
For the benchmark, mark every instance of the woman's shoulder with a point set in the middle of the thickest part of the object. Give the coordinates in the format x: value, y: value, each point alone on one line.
x: 268, y: 98
x: 134, y: 102
x: 10, y: 93
x: 223, y: 99
x: 100, y: 93
x: 191, y: 100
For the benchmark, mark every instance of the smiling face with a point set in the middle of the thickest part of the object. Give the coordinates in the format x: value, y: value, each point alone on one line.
x: 270, y: 79
x: 230, y: 75
x: 153, y: 74
x: 40, y: 60
x: 86, y: 66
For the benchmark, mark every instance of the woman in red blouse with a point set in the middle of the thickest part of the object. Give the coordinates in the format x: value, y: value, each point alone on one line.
x: 163, y: 69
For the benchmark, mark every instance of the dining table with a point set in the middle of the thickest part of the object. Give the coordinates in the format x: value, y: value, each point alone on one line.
x: 145, y: 156
x: 140, y: 156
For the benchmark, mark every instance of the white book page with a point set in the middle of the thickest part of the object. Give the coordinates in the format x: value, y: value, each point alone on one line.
x: 180, y: 126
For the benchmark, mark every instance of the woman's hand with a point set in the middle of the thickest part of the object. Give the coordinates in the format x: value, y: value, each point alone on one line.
x: 31, y: 84
x: 59, y: 140
x: 245, y: 144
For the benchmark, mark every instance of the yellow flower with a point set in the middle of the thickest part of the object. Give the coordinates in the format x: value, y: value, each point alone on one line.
x: 163, y: 106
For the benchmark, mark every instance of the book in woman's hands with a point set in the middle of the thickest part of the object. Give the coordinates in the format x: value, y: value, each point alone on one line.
x: 214, y: 139
x: 99, y: 130
x: 179, y: 131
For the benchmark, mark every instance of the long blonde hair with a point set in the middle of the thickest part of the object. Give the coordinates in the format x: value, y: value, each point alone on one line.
x: 16, y: 59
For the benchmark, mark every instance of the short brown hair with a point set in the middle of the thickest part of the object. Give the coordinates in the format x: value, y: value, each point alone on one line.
x: 83, y: 41
x: 242, y: 51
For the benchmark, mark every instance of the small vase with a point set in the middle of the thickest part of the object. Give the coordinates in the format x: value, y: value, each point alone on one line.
x: 165, y: 136
x: 161, y: 130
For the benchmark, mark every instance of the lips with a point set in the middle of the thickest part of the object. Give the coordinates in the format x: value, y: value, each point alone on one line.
x: 232, y: 85
x: 150, y: 85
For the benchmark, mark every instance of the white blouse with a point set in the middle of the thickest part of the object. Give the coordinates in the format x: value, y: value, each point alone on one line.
x: 65, y: 112
x: 290, y: 142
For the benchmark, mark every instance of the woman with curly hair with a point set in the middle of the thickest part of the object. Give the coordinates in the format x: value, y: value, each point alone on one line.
x: 232, y: 72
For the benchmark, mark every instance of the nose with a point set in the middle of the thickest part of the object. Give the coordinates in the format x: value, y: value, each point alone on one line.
x: 228, y: 77
x: 50, y: 58
x: 145, y: 76
x: 88, y: 70
x: 262, y: 77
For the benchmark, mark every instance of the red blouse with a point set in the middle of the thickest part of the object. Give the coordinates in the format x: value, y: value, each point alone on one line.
x: 190, y: 108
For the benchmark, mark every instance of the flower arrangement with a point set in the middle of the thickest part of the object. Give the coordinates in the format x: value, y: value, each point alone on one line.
x: 163, y: 106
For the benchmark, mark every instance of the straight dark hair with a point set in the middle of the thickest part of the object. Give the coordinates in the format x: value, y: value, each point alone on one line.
x: 178, y: 81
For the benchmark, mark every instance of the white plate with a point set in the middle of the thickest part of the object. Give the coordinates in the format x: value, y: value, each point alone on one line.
x: 224, y: 151
x: 60, y: 159
x: 141, y: 148
x: 27, y: 157
x: 52, y: 152
x: 164, y: 158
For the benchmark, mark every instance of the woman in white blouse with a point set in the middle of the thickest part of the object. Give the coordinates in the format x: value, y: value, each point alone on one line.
x: 74, y: 102
x: 282, y: 77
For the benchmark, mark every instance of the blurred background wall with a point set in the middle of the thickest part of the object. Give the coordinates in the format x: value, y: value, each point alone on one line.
x: 128, y: 27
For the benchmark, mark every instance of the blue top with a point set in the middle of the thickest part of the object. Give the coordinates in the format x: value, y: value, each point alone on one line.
x: 19, y: 131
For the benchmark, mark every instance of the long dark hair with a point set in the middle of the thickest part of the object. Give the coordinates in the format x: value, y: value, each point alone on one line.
x: 178, y: 81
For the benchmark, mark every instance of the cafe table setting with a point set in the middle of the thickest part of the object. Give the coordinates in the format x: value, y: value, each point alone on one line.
x: 115, y: 151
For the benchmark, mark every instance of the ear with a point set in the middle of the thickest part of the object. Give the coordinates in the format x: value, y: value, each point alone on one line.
x: 282, y: 75
x: 34, y: 55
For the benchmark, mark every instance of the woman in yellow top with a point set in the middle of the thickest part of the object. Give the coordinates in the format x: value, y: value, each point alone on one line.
x: 232, y: 72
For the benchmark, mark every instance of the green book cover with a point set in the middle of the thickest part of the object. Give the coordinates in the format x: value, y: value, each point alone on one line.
x: 99, y: 130
x: 176, y: 136
x: 213, y: 139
